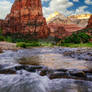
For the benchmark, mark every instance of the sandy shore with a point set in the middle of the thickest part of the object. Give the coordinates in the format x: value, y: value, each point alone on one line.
x: 8, y: 46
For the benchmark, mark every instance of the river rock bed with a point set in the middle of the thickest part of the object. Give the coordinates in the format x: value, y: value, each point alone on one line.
x: 45, y: 71
x: 79, y: 53
x: 52, y: 72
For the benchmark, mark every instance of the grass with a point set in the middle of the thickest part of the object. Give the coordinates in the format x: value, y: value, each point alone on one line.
x: 76, y: 45
x: 33, y: 44
x: 48, y: 44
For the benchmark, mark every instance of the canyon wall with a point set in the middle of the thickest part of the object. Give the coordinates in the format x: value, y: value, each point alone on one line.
x: 26, y: 17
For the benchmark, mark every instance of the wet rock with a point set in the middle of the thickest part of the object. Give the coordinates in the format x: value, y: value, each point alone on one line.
x: 7, y: 71
x: 68, y: 53
x: 58, y: 75
x: 46, y: 71
x: 33, y: 68
x: 61, y: 70
x: 77, y: 73
x: 89, y: 77
x: 80, y: 53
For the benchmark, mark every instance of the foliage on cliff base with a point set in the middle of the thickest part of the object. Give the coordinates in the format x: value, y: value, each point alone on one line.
x: 80, y: 37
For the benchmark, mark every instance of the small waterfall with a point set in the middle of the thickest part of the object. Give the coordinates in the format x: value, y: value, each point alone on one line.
x: 27, y: 82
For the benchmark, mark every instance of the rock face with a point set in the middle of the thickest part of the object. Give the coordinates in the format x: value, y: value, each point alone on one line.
x: 89, y: 28
x: 1, y: 22
x: 58, y: 18
x: 58, y: 30
x: 78, y: 20
x: 90, y: 23
x: 61, y: 26
x: 26, y: 17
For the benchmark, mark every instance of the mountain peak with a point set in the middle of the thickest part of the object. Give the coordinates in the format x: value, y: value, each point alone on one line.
x: 51, y: 16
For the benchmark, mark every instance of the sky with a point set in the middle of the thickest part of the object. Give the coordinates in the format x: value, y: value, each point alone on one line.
x: 66, y: 7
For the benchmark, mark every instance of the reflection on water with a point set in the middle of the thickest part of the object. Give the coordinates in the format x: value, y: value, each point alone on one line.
x: 51, y: 57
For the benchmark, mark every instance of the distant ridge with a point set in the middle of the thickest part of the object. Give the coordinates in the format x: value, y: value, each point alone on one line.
x: 81, y: 16
x: 80, y: 20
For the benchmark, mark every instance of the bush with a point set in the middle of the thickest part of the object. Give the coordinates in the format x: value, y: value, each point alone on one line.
x: 21, y: 44
x: 0, y: 32
x: 76, y: 38
x: 84, y: 37
x: 33, y: 44
x: 2, y: 38
x: 8, y: 39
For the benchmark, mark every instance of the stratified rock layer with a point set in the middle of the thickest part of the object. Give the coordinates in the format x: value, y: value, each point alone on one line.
x: 58, y: 30
x: 26, y: 17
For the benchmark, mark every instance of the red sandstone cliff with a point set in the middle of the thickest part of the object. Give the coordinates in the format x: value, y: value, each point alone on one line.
x: 90, y: 23
x: 62, y: 26
x: 26, y: 17
x: 57, y: 30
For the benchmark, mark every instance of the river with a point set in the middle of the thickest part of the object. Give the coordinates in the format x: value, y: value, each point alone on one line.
x: 53, y: 58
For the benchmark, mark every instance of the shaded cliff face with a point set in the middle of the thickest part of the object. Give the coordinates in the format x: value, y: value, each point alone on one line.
x: 90, y: 23
x: 89, y: 27
x: 26, y: 17
x: 58, y: 30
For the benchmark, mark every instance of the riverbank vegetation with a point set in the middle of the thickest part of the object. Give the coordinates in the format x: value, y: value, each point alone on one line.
x: 77, y: 39
x: 72, y: 45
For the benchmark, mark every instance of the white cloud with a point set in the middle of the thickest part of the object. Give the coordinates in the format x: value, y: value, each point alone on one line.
x: 81, y: 10
x: 75, y: 0
x: 57, y: 5
x: 5, y: 7
x: 54, y: 5
x: 88, y: 2
x: 61, y: 6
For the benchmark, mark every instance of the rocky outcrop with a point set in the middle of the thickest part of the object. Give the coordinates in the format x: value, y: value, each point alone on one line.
x: 58, y: 18
x: 62, y: 30
x: 78, y: 20
x: 58, y: 30
x: 61, y: 26
x: 90, y: 23
x: 26, y: 17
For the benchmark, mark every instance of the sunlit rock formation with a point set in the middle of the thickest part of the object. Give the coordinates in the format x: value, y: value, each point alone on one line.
x: 81, y: 16
x: 26, y: 17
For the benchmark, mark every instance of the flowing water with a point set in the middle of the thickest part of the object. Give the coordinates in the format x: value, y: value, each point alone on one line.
x: 25, y: 81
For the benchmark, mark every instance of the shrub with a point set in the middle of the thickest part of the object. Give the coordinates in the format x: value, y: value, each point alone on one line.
x: 33, y: 43
x: 8, y: 39
x: 76, y: 38
x: 2, y: 38
x: 21, y: 44
x: 84, y: 37
x: 0, y: 32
